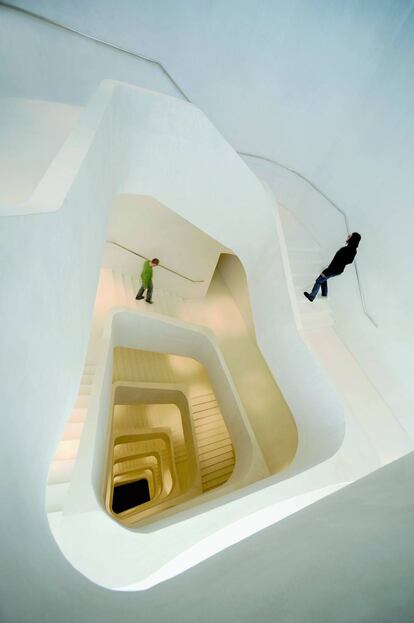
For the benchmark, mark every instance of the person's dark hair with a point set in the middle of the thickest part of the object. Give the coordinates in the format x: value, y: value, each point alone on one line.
x: 355, y: 239
x: 155, y: 260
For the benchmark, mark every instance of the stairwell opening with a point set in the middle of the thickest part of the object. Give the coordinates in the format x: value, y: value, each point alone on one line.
x: 130, y: 495
x: 166, y: 428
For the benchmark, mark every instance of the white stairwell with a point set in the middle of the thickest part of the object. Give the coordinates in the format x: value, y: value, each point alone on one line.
x: 215, y: 450
x: 63, y: 463
x: 306, y: 263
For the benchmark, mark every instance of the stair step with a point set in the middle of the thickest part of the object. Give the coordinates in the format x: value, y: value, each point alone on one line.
x: 317, y: 316
x: 200, y: 412
x: 311, y: 323
x: 127, y: 285
x: 220, y: 465
x: 218, y: 456
x: 82, y: 401
x: 316, y: 325
x: 211, y: 440
x: 161, y: 301
x: 214, y: 428
x: 221, y: 474
x: 217, y: 482
x: 318, y: 306
x: 312, y: 328
x: 72, y: 430
x: 87, y: 379
x: 208, y: 416
x: 181, y: 459
x: 89, y: 368
x: 78, y: 415
x: 221, y: 443
x: 55, y: 496
x: 84, y: 389
x: 201, y: 397
x: 200, y: 406
x: 61, y: 471
x: 67, y: 450
x: 119, y: 290
x: 212, y: 453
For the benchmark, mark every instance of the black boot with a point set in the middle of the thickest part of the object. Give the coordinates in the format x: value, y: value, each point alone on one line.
x: 308, y: 296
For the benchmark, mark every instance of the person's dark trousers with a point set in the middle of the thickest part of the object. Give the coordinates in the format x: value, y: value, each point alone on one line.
x: 321, y: 282
x: 149, y: 290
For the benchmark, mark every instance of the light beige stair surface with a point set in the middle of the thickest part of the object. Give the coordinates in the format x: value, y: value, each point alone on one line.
x: 78, y: 415
x: 306, y: 263
x: 213, y: 443
x: 61, y: 471
x: 67, y: 449
x: 82, y: 401
x: 63, y: 464
x: 215, y: 450
x: 73, y: 430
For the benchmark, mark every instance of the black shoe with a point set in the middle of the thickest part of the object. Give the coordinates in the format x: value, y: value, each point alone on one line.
x: 147, y: 301
x: 324, y: 296
x: 139, y: 298
x: 308, y: 296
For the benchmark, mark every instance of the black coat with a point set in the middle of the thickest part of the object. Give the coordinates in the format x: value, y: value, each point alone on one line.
x: 344, y: 256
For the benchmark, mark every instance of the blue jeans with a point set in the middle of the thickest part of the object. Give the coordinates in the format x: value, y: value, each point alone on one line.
x: 321, y: 282
x: 149, y: 291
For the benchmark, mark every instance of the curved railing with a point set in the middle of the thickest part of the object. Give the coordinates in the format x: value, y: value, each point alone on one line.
x: 170, y: 270
x: 185, y: 96
x: 332, y: 203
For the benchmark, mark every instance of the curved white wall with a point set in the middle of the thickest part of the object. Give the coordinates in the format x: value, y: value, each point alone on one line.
x: 321, y: 87
x: 31, y: 133
x: 351, y: 43
x: 161, y: 147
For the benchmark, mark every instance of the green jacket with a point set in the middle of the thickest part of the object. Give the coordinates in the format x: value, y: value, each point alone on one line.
x: 146, y: 275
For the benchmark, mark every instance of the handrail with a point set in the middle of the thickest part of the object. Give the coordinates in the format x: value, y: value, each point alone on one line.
x: 305, y: 179
x: 334, y: 205
x: 85, y: 35
x: 154, y: 61
x: 170, y: 270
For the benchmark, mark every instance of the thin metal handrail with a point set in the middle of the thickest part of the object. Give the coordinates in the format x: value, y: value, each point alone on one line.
x: 154, y: 61
x: 85, y: 35
x: 305, y: 179
x: 170, y: 270
x: 333, y: 204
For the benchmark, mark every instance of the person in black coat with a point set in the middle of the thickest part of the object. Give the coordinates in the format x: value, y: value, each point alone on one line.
x: 344, y: 256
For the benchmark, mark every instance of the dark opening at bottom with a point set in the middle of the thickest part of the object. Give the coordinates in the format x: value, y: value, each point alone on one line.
x: 129, y: 495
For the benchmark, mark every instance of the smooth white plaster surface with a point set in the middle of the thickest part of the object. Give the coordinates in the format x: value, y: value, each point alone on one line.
x: 134, y: 141
x: 325, y: 88
x: 142, y: 149
x: 380, y: 593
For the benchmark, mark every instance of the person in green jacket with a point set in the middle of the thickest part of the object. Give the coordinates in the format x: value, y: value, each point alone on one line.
x: 146, y: 280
